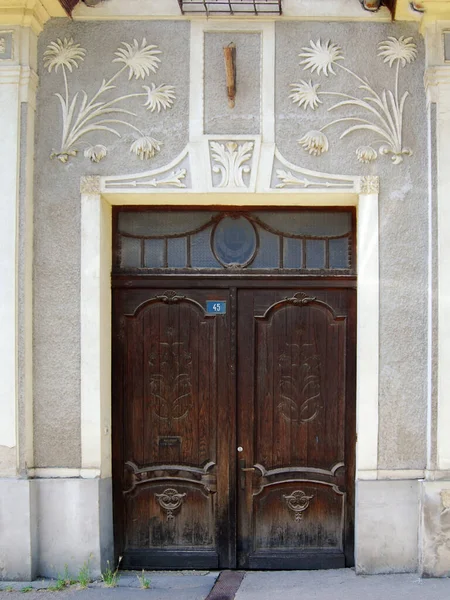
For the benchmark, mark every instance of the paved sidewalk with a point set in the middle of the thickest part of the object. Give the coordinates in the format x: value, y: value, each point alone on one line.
x: 341, y: 584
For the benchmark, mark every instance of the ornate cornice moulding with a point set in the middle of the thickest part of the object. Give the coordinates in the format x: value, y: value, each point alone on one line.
x: 231, y: 164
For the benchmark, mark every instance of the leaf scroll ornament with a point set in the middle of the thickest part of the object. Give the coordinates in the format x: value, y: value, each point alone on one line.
x: 171, y: 386
x: 299, y: 386
x: 229, y: 162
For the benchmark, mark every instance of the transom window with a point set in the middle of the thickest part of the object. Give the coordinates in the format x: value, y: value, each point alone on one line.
x: 173, y: 240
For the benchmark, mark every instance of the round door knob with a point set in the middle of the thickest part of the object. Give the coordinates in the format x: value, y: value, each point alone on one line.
x: 240, y: 449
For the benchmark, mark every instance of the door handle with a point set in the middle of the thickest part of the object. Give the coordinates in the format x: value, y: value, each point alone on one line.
x: 244, y: 470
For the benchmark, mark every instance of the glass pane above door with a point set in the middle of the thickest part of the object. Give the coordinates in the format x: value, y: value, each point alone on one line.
x: 301, y: 241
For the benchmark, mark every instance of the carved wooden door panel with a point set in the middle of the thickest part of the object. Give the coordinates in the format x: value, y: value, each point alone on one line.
x: 296, y: 428
x: 173, y: 430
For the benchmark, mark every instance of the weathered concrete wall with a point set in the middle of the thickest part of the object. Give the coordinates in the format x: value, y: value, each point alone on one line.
x: 74, y: 525
x: 434, y: 544
x: 387, y: 518
x: 18, y: 526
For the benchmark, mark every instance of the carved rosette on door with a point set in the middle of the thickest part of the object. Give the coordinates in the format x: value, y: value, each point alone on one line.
x: 298, y: 502
x: 170, y: 501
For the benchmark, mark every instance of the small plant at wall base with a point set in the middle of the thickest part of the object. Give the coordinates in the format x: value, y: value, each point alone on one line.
x: 81, y: 116
x: 84, y: 575
x: 63, y: 581
x: 384, y: 110
x: 143, y: 581
x: 109, y: 576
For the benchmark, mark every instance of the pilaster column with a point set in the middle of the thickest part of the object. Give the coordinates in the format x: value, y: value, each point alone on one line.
x: 18, y: 82
x: 17, y: 106
x: 95, y: 331
x: 434, y: 536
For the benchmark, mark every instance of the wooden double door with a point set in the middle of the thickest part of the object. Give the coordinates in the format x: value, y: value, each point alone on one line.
x: 234, y: 433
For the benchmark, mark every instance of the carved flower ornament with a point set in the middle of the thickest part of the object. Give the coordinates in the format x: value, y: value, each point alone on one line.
x: 82, y: 116
x: 96, y: 153
x: 305, y: 94
x: 140, y: 60
x: 321, y: 57
x: 384, y: 110
x: 145, y: 147
x: 403, y: 50
x: 63, y: 53
x: 315, y: 142
x: 366, y: 154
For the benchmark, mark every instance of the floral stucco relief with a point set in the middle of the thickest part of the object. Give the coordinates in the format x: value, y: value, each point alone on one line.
x: 102, y: 114
x: 383, y: 110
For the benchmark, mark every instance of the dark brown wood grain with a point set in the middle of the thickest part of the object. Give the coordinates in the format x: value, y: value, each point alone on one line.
x: 173, y: 414
x: 276, y: 376
x: 296, y: 424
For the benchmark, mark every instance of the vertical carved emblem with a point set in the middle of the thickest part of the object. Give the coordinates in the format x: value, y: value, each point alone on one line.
x: 298, y: 502
x: 171, y: 386
x: 170, y: 501
x: 299, y: 383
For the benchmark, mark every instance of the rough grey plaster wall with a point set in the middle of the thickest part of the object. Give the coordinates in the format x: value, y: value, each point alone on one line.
x: 245, y: 117
x: 57, y: 205
x: 8, y: 461
x: 402, y: 212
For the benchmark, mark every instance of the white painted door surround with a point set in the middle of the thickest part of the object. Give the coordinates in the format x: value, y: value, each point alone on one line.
x: 99, y: 194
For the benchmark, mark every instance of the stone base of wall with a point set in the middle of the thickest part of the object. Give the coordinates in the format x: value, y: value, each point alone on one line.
x: 18, y: 530
x: 386, y: 526
x: 434, y: 539
x: 400, y: 527
x: 48, y: 523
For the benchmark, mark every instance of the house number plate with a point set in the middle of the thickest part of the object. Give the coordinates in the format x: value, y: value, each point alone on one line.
x: 216, y: 307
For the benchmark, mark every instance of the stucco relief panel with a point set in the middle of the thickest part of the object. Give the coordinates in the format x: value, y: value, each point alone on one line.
x: 382, y: 110
x: 106, y: 112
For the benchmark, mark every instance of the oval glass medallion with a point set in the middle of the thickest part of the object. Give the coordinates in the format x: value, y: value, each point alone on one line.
x: 234, y: 241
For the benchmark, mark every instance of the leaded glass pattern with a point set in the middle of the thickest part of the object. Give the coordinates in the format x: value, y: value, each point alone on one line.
x: 302, y: 241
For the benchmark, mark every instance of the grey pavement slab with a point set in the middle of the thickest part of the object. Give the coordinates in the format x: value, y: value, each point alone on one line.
x: 183, y: 585
x: 340, y: 584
